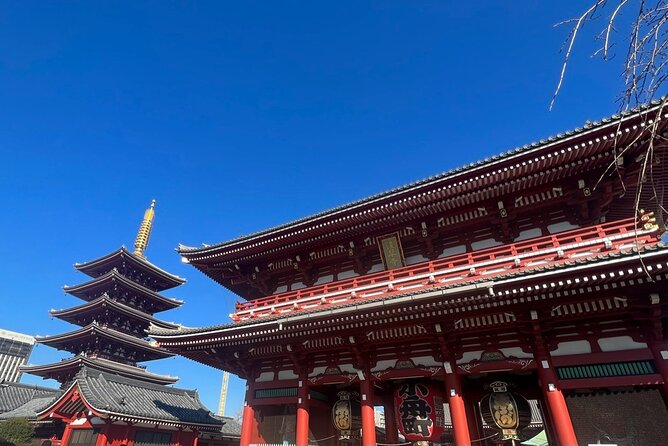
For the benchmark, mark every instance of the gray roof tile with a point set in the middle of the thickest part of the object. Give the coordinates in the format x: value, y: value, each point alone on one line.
x: 121, y: 396
x: 31, y: 408
x: 14, y: 395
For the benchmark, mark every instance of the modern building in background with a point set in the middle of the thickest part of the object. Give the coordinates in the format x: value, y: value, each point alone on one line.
x: 15, y: 348
x: 379, y: 417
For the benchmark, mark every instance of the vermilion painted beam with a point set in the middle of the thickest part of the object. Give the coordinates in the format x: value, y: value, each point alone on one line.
x: 511, y: 258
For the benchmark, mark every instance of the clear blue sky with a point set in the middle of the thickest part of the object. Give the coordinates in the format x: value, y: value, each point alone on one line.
x: 237, y: 116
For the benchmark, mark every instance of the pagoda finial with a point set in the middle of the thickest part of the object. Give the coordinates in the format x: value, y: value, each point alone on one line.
x: 141, y: 242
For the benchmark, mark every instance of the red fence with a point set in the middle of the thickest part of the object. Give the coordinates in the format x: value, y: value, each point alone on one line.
x: 491, y: 263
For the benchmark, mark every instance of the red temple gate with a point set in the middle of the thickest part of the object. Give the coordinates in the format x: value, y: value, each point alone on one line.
x: 531, y: 268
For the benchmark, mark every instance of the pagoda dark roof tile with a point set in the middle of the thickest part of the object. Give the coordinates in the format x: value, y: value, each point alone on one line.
x: 126, y: 397
x: 106, y: 300
x: 101, y: 364
x: 78, y: 290
x: 14, y: 395
x: 157, y: 332
x: 588, y: 126
x: 94, y: 329
x: 172, y: 279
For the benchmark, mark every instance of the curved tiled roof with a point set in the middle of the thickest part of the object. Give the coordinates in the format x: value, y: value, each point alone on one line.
x: 130, y: 399
x: 114, y: 276
x: 31, y: 408
x: 101, y: 364
x: 169, y: 280
x: 231, y: 427
x: 544, y: 143
x: 94, y: 330
x: 105, y: 301
x: 15, y: 395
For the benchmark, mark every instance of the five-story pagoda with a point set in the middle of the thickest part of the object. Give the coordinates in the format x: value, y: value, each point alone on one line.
x: 120, y: 302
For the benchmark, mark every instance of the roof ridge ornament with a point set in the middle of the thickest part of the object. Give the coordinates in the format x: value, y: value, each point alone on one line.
x: 141, y: 242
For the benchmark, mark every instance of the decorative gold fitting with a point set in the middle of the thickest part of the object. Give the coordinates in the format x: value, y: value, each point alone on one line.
x: 141, y: 242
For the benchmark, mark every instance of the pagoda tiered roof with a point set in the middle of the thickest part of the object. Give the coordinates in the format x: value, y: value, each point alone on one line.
x: 123, y: 260
x: 105, y: 307
x: 78, y: 341
x: 112, y: 281
x: 121, y: 299
x: 67, y: 369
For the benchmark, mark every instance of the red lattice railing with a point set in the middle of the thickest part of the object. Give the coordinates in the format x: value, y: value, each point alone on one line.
x: 489, y: 263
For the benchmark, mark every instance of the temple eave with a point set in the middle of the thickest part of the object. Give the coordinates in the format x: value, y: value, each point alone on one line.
x: 115, y: 259
x: 108, y: 280
x: 91, y: 310
x: 88, y: 335
x: 68, y: 368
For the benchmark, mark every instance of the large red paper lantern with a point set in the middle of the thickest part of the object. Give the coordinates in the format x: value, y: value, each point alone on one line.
x: 419, y: 411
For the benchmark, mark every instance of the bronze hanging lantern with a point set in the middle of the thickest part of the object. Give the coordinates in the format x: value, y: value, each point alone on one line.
x: 509, y: 412
x: 346, y: 415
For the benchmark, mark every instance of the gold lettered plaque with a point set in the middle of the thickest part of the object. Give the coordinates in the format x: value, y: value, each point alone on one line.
x: 390, y: 251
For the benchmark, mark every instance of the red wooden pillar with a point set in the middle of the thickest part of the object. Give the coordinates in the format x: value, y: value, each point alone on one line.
x: 248, y: 420
x: 660, y: 356
x: 368, y: 421
x: 130, y: 439
x: 473, y: 416
x: 391, y: 430
x: 102, y: 435
x: 657, y: 344
x: 561, y: 419
x: 301, y: 431
x: 453, y: 388
x: 67, y: 433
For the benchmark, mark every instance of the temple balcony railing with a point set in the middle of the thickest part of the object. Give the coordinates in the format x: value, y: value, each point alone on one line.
x: 457, y: 269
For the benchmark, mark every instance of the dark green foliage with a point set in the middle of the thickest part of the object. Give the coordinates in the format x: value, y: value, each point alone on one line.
x: 16, y: 431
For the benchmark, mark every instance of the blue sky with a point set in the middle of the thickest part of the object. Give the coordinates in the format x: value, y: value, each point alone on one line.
x: 237, y: 116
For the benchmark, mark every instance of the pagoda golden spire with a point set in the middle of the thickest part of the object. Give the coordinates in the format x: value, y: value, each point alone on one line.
x: 141, y: 242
